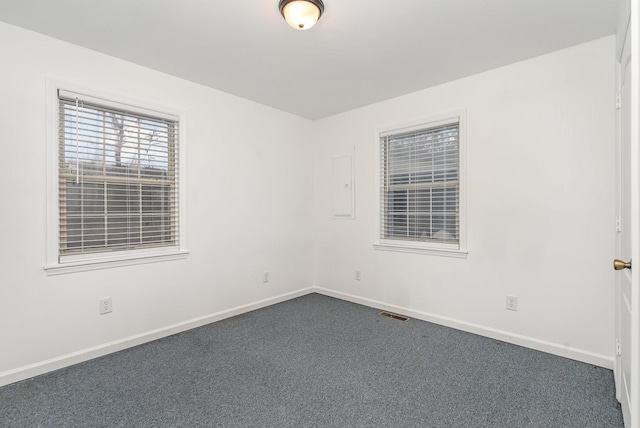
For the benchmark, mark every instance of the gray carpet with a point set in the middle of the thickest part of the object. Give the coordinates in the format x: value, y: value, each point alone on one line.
x: 316, y: 361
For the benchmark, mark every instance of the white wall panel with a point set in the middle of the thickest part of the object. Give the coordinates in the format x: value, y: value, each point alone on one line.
x: 249, y: 209
x: 540, y: 197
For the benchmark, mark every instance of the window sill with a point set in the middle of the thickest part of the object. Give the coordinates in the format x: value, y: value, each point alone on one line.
x: 96, y: 264
x: 445, y: 252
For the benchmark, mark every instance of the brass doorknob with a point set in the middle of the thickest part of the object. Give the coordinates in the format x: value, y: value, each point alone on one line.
x: 619, y: 265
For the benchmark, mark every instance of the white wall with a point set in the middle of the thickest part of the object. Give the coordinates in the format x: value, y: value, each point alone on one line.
x: 540, y: 186
x: 249, y: 210
x: 540, y: 219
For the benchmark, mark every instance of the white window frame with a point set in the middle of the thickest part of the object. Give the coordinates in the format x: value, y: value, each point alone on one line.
x: 59, y: 265
x: 432, y: 248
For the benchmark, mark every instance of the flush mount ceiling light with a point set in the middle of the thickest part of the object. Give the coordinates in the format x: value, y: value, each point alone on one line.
x: 301, y: 14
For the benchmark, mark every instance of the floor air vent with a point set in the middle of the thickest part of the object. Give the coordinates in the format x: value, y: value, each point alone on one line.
x: 394, y: 316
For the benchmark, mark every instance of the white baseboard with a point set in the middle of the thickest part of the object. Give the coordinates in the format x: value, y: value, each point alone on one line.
x: 29, y: 371
x: 516, y: 339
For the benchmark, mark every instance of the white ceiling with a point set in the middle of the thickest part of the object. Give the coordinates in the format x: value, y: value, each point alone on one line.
x: 360, y: 52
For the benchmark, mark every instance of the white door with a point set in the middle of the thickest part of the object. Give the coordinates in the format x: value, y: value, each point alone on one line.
x: 628, y: 325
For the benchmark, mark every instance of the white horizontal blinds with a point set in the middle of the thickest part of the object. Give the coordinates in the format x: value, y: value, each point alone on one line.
x: 118, y: 178
x: 420, y: 184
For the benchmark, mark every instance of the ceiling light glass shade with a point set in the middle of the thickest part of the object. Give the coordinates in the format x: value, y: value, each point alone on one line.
x: 301, y: 14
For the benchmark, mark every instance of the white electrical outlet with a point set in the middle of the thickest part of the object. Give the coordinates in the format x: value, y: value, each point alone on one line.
x: 105, y: 305
x: 265, y: 277
x: 512, y: 303
x: 358, y: 275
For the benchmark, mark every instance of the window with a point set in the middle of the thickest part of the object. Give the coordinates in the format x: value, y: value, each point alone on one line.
x: 118, y: 187
x: 420, y: 186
